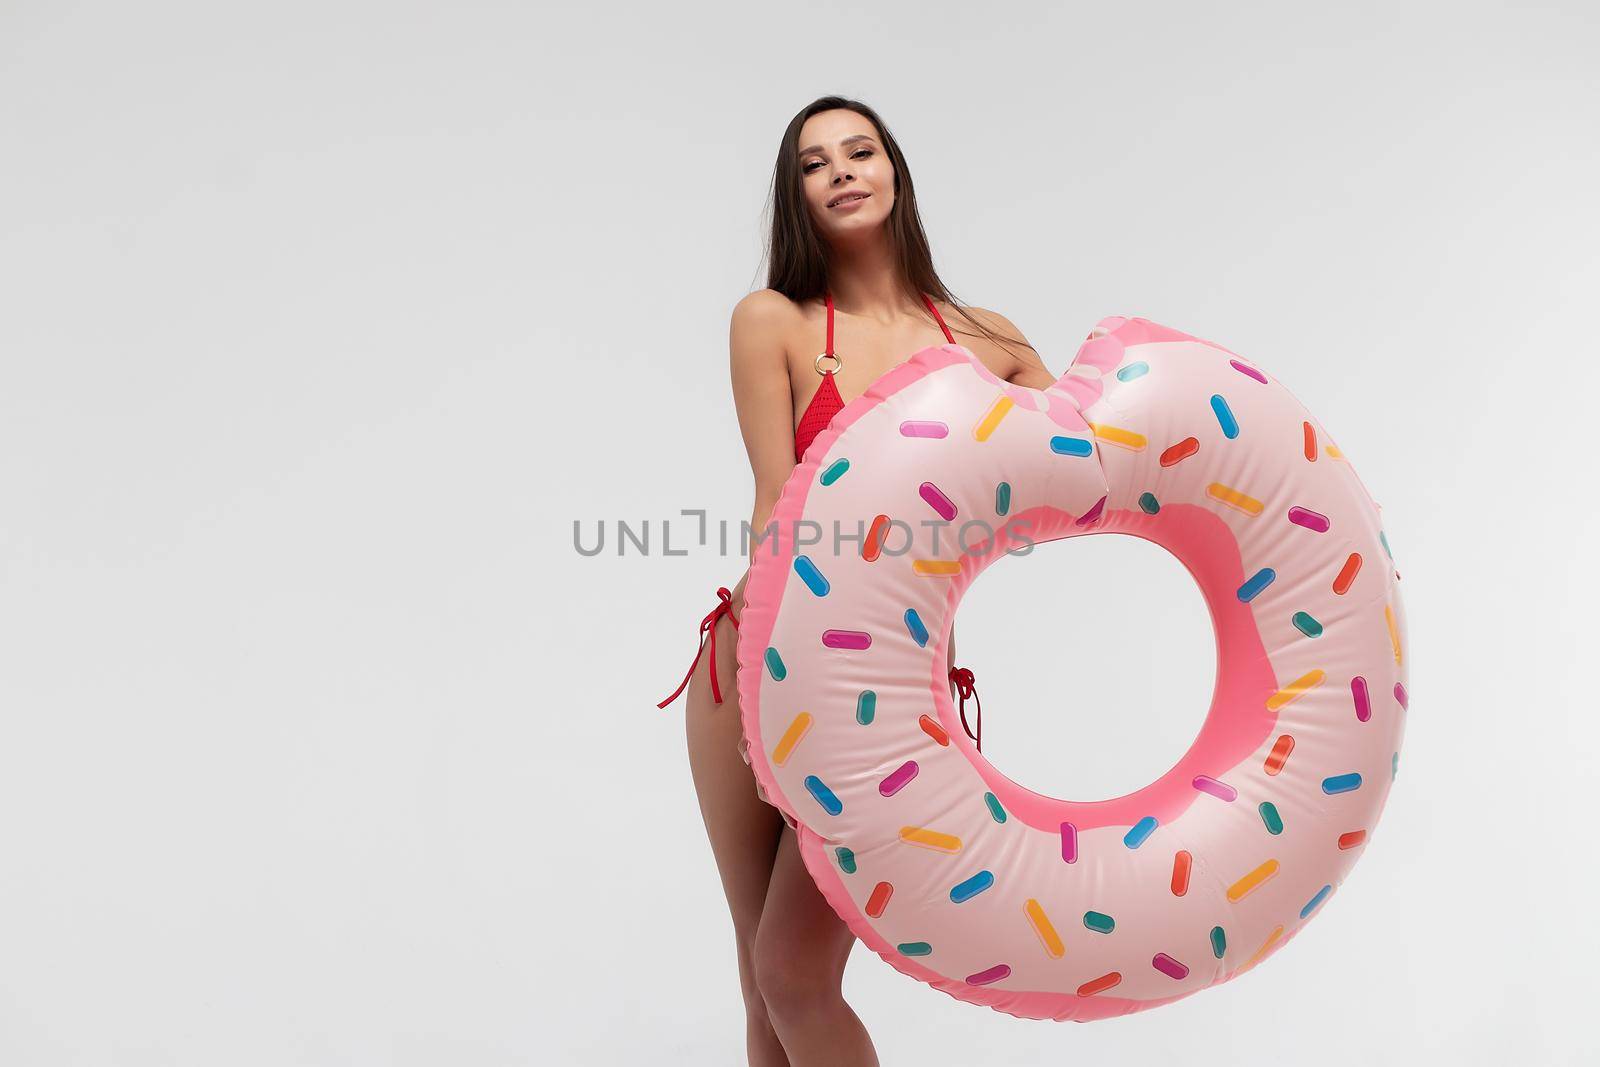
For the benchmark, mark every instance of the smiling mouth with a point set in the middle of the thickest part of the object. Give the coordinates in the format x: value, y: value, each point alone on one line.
x: 851, y: 199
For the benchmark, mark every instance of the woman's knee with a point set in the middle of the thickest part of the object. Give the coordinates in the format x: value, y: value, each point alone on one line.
x: 793, y: 980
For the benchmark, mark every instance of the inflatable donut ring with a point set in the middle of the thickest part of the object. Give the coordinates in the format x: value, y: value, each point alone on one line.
x: 961, y: 878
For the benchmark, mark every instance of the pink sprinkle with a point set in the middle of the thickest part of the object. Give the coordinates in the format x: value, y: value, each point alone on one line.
x: 1169, y: 966
x: 1092, y: 514
x: 846, y: 638
x: 1358, y: 690
x: 913, y: 428
x: 897, y: 780
x: 1400, y: 695
x: 1220, y: 790
x: 1311, y: 520
x: 1069, y: 842
x: 1250, y: 371
x: 937, y: 500
x: 993, y: 974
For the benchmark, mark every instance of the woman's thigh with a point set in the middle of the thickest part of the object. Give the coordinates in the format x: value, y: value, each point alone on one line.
x: 802, y: 945
x: 743, y: 828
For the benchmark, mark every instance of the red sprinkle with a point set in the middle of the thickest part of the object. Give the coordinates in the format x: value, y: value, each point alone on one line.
x: 1279, y: 754
x: 1180, y: 451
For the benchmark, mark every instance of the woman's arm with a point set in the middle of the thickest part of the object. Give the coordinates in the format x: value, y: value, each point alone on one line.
x: 1027, y: 368
x: 762, y: 399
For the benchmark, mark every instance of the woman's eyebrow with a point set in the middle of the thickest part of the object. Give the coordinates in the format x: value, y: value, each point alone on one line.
x: 848, y: 140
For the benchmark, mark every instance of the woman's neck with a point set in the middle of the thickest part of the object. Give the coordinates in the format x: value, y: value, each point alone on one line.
x: 865, y: 282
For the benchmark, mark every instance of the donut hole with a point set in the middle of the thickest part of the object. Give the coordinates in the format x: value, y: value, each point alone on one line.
x: 1095, y: 658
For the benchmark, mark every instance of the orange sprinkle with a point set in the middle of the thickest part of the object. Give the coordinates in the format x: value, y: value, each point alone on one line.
x: 1099, y: 985
x: 1394, y: 631
x: 1347, y: 574
x: 936, y: 568
x: 1180, y: 872
x: 997, y: 411
x: 1246, y: 885
x: 1233, y: 498
x: 873, y: 545
x: 921, y: 835
x: 1116, y: 435
x: 1311, y: 442
x: 791, y: 737
x: 1046, y: 930
x: 1271, y: 940
x: 1352, y: 839
x: 1306, y: 682
x: 1279, y: 754
x: 933, y: 730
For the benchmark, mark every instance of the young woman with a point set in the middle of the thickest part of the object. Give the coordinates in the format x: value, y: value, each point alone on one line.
x: 847, y: 262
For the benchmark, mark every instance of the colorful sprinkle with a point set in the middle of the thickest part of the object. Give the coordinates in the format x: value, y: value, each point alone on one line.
x: 823, y: 795
x: 1347, y: 574
x: 852, y: 639
x: 1341, y: 783
x: 1225, y: 419
x: 1394, y: 766
x: 993, y: 974
x: 1255, y: 583
x: 942, y: 505
x: 791, y: 737
x: 998, y: 410
x: 933, y: 730
x: 866, y: 707
x: 774, y: 664
x: 1250, y: 882
x: 1233, y: 498
x: 918, y: 632
x: 1310, y: 441
x: 1099, y: 985
x: 896, y: 780
x: 1221, y: 790
x: 1261, y: 952
x: 1400, y: 695
x: 1358, y: 693
x: 1385, y: 542
x: 1053, y: 946
x: 1352, y: 839
x: 1148, y: 503
x: 1002, y: 498
x: 1099, y: 922
x: 1270, y: 817
x: 1394, y: 631
x: 1116, y: 435
x: 835, y: 471
x: 926, y: 838
x: 918, y: 428
x: 1182, y: 861
x: 1169, y: 966
x: 1306, y: 624
x: 996, y: 812
x: 1248, y: 371
x: 1069, y: 843
x: 810, y: 575
x: 1219, y: 942
x: 847, y: 859
x: 1279, y: 754
x: 914, y: 948
x: 936, y: 568
x: 879, y: 900
x: 1314, y: 521
x: 1333, y: 451
x: 971, y: 887
x: 1179, y: 452
x: 1303, y: 684
x: 1071, y: 446
x: 1132, y: 371
x: 1140, y: 832
x: 1311, y: 905
x: 1092, y: 515
x: 872, y: 547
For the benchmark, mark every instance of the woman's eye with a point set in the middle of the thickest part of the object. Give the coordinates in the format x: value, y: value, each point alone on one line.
x: 868, y: 151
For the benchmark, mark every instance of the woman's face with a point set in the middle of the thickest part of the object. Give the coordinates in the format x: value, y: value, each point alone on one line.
x: 847, y: 176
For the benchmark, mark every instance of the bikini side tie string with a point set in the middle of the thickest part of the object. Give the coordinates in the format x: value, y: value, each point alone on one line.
x: 708, y: 625
x: 966, y: 686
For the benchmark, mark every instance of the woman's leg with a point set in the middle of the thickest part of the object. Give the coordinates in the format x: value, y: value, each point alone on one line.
x: 743, y: 829
x: 801, y: 949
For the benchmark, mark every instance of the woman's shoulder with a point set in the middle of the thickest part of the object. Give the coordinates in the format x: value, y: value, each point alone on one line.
x: 766, y: 306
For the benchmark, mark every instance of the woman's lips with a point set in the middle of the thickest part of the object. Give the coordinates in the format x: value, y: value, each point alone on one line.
x: 853, y: 200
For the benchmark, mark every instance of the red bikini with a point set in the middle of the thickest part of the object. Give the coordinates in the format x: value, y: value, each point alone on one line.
x: 824, y: 405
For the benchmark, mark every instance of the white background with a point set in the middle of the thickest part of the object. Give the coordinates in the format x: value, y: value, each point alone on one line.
x: 320, y: 324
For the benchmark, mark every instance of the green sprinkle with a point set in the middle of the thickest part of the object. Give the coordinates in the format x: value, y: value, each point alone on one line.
x: 1219, y: 942
x: 1307, y: 625
x: 835, y: 471
x: 866, y: 707
x: 775, y: 665
x: 847, y: 860
x: 1385, y: 541
x: 1270, y: 816
x: 914, y: 948
x: 1002, y: 498
x: 1148, y: 503
x: 995, y: 809
x: 1099, y: 922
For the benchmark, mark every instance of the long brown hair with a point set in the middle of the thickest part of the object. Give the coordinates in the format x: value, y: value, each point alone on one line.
x: 797, y: 258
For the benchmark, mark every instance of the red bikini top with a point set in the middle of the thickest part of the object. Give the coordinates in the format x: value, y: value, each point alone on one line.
x: 826, y: 401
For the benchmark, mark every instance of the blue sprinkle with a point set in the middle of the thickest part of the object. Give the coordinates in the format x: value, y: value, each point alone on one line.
x: 824, y: 795
x: 919, y: 632
x: 1341, y: 783
x: 1141, y: 830
x: 1257, y: 582
x: 1071, y: 446
x: 971, y: 887
x: 1132, y: 371
x: 1230, y: 425
x: 775, y: 665
x: 1311, y: 905
x: 810, y: 575
x: 835, y: 471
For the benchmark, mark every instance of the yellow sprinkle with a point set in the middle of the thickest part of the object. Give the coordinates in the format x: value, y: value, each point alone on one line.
x: 919, y: 835
x: 991, y: 418
x: 791, y: 737
x: 1233, y: 498
x: 1394, y: 631
x: 1308, y: 680
x: 1332, y: 451
x: 1116, y: 435
x: 1243, y: 887
x: 1272, y: 939
x: 937, y: 568
x: 1043, y: 927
